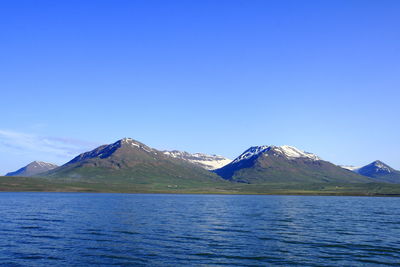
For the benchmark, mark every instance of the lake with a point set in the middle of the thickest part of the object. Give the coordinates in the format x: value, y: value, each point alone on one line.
x: 77, y: 229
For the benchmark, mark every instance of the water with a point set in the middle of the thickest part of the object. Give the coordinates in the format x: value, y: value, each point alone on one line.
x: 68, y: 229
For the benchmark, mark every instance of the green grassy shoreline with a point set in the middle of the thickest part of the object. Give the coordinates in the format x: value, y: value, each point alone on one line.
x: 29, y: 184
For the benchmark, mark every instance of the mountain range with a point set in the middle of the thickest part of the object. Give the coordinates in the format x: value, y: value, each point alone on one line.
x: 129, y: 161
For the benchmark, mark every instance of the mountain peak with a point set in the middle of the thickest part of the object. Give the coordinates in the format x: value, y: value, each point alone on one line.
x: 105, y: 151
x: 41, y: 163
x: 128, y: 141
x: 380, y: 171
x: 289, y: 152
x: 380, y: 166
x: 33, y: 168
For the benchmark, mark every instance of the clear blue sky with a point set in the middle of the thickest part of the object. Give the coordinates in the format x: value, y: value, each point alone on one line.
x: 201, y: 76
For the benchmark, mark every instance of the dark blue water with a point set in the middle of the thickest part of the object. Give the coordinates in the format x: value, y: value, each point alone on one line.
x: 61, y: 229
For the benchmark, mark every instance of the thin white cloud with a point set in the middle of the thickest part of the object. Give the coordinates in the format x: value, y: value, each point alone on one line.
x: 59, y: 147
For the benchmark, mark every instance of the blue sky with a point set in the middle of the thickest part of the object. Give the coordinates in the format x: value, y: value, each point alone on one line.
x: 201, y: 76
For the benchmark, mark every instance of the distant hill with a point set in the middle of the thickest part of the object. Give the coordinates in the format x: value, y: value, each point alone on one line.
x: 285, y: 164
x: 208, y: 162
x: 33, y: 168
x: 129, y: 161
x: 380, y: 172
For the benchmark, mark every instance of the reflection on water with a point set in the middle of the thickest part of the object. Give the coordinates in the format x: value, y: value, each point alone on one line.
x: 118, y: 229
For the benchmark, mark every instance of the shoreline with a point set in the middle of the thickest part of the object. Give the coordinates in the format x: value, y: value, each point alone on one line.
x: 207, y: 193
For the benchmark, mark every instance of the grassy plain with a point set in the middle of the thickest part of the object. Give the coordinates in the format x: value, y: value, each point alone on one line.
x: 30, y: 184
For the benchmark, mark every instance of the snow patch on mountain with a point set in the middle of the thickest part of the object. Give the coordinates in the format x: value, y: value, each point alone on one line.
x: 350, y: 168
x: 129, y: 141
x: 42, y: 164
x: 292, y: 153
x: 209, y: 162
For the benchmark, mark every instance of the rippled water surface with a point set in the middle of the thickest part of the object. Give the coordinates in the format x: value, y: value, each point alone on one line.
x: 68, y: 229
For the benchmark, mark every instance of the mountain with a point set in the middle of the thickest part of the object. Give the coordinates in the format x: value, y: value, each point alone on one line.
x: 208, y: 162
x: 132, y: 162
x: 380, y: 172
x: 284, y: 164
x: 33, y: 168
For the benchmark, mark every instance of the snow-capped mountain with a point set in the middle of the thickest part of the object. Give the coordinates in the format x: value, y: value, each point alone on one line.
x: 380, y: 171
x: 289, y: 152
x: 377, y: 167
x: 33, y: 168
x: 208, y: 162
x: 277, y: 164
